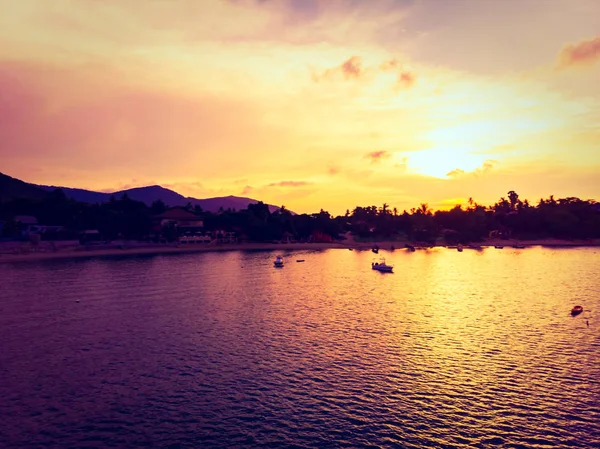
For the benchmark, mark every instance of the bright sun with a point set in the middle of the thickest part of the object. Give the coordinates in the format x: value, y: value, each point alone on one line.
x: 438, y: 162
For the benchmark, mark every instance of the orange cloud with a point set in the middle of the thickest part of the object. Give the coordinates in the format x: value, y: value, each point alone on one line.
x: 484, y: 168
x: 455, y: 172
x: 392, y: 64
x: 376, y: 156
x: 406, y: 80
x: 584, y: 52
x: 289, y: 184
x: 353, y: 69
x: 350, y: 69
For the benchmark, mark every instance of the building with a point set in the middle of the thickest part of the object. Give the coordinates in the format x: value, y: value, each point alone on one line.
x: 288, y: 237
x: 181, y: 218
x: 320, y: 237
x: 222, y: 236
x: 26, y: 220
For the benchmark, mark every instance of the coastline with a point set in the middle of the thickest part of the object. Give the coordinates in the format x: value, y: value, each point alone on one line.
x: 158, y: 249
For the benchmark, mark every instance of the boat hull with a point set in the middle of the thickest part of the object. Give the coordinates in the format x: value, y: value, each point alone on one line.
x: 576, y: 310
x: 386, y: 269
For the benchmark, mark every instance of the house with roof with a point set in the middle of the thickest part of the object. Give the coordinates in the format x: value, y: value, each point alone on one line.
x: 26, y: 220
x: 180, y: 218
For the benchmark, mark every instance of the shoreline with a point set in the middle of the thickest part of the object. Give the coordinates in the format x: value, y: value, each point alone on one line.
x: 159, y: 249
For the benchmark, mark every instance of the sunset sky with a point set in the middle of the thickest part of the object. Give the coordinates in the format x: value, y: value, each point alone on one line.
x: 308, y: 103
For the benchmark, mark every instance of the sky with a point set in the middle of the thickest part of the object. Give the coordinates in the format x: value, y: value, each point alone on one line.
x: 305, y: 103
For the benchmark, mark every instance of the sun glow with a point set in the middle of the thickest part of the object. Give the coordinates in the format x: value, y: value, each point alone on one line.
x: 308, y: 104
x: 438, y: 162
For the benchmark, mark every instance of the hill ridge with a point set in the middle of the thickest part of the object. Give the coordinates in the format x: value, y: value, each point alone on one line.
x: 15, y: 188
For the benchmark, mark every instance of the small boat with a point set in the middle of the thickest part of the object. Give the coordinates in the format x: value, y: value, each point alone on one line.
x: 459, y: 248
x: 498, y: 246
x: 519, y: 246
x: 278, y: 262
x: 381, y: 266
x: 299, y: 260
x: 576, y: 310
x: 375, y: 249
x: 410, y: 247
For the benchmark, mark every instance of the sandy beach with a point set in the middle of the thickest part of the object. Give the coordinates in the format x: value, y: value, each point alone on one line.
x: 25, y: 252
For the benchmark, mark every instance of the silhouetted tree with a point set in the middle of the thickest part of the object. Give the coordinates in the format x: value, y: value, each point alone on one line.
x: 158, y: 207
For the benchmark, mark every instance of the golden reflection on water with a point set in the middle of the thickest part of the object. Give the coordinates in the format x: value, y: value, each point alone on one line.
x: 471, y: 348
x: 476, y: 318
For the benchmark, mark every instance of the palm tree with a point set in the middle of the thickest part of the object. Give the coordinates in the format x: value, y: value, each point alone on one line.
x: 424, y: 209
x: 513, y: 197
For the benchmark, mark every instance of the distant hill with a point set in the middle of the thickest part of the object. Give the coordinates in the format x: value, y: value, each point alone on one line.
x: 81, y: 195
x: 11, y: 188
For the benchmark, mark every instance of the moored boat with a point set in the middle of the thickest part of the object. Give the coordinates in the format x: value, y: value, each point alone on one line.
x: 278, y: 262
x: 576, y: 310
x: 381, y: 266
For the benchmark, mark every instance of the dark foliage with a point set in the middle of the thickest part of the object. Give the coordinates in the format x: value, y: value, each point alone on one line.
x: 566, y: 218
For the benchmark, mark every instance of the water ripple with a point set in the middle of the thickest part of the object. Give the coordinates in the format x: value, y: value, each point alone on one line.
x: 455, y: 350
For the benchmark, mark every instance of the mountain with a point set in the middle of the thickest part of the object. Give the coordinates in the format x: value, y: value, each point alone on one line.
x: 233, y: 202
x: 150, y: 194
x: 11, y: 188
x: 81, y: 195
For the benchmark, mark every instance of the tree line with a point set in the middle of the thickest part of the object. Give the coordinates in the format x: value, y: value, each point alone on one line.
x: 509, y: 217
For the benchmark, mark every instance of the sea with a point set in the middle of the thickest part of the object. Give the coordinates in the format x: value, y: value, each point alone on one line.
x: 223, y: 350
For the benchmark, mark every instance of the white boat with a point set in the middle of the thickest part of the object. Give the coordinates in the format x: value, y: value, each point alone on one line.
x: 380, y: 265
x: 278, y: 262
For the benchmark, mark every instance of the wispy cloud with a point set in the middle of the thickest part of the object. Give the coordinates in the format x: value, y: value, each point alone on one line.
x: 289, y: 184
x: 405, y: 80
x: 376, y: 156
x: 354, y: 69
x: 584, y: 52
x: 351, y: 68
x: 455, y: 172
x: 486, y: 166
x: 481, y: 170
x: 390, y: 65
x: 131, y: 185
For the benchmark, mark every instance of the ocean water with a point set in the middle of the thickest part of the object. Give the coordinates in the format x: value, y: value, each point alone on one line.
x: 452, y: 350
